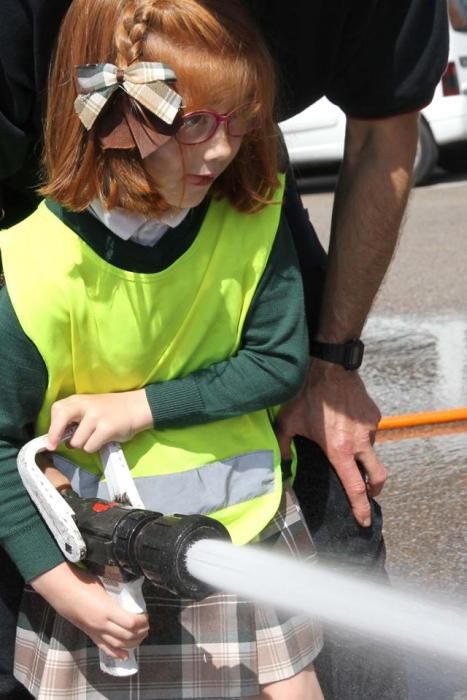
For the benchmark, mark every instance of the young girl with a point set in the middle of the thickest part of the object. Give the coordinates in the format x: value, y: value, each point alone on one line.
x: 154, y: 298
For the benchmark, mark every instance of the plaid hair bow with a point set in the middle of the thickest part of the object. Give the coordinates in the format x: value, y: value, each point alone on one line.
x: 143, y: 81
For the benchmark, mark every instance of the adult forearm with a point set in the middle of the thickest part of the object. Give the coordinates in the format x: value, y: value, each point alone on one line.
x: 370, y: 201
x: 334, y: 409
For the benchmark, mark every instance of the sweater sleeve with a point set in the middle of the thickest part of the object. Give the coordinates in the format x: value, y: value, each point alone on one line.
x: 23, y: 533
x: 269, y: 367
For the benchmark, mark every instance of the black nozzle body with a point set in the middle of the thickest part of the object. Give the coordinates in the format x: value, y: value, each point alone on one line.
x: 161, y: 548
x: 124, y: 543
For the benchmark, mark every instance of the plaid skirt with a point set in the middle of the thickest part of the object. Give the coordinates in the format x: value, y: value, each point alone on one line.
x: 220, y: 647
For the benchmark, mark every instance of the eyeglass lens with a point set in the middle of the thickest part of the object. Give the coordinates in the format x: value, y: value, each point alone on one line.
x: 201, y: 126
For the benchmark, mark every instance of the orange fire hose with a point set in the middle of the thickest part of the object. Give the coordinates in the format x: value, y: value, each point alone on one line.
x: 424, y: 424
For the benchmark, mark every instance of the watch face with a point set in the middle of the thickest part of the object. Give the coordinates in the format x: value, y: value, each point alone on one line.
x: 348, y: 355
x: 353, y: 354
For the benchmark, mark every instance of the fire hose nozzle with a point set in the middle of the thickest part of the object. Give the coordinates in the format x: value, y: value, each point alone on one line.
x: 126, y: 543
x: 160, y: 548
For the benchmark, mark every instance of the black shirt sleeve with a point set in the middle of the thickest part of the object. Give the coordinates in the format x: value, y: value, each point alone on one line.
x: 373, y: 58
x: 391, y: 63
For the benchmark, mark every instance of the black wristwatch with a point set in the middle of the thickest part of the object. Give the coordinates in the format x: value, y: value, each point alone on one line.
x: 349, y: 354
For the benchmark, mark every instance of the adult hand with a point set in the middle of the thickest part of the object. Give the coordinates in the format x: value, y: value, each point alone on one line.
x: 79, y: 596
x: 100, y: 418
x: 334, y: 410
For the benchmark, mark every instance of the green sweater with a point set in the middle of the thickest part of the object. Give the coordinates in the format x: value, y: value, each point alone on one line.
x: 267, y: 370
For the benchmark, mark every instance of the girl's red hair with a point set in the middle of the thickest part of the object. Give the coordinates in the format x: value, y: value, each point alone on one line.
x: 216, y: 54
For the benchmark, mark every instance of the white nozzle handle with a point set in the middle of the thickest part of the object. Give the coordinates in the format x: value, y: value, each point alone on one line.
x: 118, y: 475
x: 130, y: 597
x: 57, y: 514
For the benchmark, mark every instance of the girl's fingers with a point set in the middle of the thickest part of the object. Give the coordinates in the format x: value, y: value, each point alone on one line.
x: 63, y: 414
x: 122, y: 636
x: 113, y: 642
x: 97, y: 439
x: 83, y: 432
x: 61, y: 418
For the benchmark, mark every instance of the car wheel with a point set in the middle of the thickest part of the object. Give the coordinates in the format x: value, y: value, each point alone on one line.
x: 454, y: 157
x: 427, y: 153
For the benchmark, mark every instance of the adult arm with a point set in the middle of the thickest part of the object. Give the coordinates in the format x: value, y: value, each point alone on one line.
x: 376, y: 61
x: 334, y: 409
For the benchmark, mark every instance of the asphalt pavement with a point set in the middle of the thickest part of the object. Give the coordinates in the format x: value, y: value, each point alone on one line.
x: 429, y: 270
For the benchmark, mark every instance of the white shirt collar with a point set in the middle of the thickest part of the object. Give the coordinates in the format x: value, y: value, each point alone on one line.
x: 136, y: 227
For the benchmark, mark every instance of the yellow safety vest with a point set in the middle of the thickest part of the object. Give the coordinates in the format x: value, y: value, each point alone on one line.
x: 101, y: 329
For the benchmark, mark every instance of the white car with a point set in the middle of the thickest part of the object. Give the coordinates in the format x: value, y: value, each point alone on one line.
x: 316, y: 135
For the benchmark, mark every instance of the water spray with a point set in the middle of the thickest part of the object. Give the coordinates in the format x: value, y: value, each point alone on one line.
x: 377, y: 611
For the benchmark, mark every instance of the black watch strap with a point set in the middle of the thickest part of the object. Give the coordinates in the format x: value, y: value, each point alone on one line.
x: 349, y: 354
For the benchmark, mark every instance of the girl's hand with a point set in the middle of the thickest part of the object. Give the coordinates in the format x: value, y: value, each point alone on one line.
x: 100, y: 418
x: 82, y: 600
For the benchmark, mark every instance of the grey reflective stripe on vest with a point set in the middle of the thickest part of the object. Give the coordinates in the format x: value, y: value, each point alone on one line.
x: 205, y: 489
x: 83, y: 482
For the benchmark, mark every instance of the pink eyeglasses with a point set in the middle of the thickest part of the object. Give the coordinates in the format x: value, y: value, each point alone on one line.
x: 198, y: 127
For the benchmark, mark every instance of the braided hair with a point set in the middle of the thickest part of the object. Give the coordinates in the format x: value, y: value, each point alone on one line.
x: 136, y: 20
